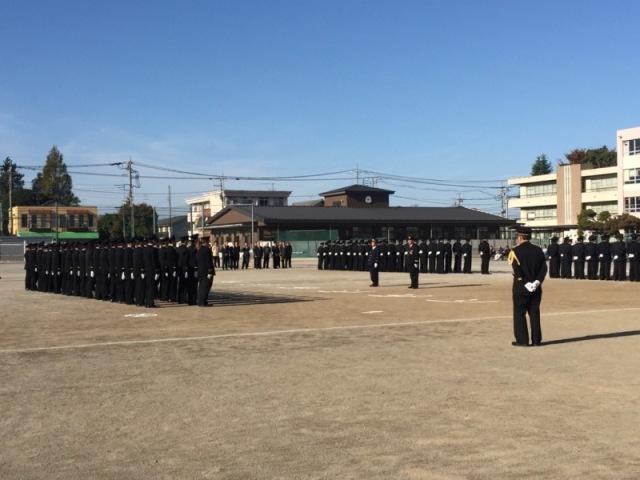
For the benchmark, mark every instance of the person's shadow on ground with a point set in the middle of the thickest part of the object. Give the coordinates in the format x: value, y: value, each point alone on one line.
x: 598, y: 336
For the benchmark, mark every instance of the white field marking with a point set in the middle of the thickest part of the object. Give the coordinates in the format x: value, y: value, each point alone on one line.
x: 303, y: 330
x: 471, y: 300
x: 340, y: 291
x: 141, y: 315
x: 373, y: 311
x: 400, y: 295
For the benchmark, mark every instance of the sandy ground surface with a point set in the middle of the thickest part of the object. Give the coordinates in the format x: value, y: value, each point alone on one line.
x: 300, y: 374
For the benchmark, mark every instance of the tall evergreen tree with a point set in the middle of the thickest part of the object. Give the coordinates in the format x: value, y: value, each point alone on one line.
x: 54, y: 183
x: 541, y: 166
x: 8, y: 173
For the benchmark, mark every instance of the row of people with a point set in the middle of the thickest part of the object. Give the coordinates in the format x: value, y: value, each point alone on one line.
x: 435, y: 256
x: 593, y: 260
x: 134, y: 272
x: 234, y: 257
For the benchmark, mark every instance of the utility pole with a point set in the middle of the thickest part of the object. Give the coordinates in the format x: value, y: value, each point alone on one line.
x: 153, y: 211
x: 504, y: 199
x: 130, y: 170
x: 169, y: 229
x: 10, y: 227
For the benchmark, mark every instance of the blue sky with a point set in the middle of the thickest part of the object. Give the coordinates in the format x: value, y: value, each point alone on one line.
x: 454, y: 90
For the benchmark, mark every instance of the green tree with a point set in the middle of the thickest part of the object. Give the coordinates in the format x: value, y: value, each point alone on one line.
x: 110, y: 224
x: 541, y: 166
x: 54, y: 183
x: 592, y: 157
x: 8, y: 173
x: 587, y: 220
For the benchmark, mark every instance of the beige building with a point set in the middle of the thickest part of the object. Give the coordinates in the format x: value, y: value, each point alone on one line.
x: 65, y: 223
x: 205, y: 206
x: 550, y: 203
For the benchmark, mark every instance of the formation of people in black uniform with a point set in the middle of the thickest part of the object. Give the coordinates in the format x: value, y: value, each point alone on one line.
x: 433, y: 256
x: 134, y: 272
x: 595, y: 260
x: 234, y: 257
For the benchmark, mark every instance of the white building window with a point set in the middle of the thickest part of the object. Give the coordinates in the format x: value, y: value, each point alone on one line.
x: 632, y: 175
x: 632, y: 204
x: 538, y: 190
x: 542, y: 214
x: 633, y: 146
x: 596, y: 184
x: 611, y: 207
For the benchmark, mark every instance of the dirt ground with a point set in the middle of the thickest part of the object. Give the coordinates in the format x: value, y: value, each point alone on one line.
x: 300, y: 374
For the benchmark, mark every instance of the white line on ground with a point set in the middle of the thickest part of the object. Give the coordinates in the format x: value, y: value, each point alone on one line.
x: 301, y: 330
x: 373, y: 311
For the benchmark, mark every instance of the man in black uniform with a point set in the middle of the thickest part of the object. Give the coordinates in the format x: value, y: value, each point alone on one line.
x: 382, y: 264
x: 431, y: 255
x: 192, y: 291
x: 373, y: 262
x: 633, y: 254
x: 553, y: 252
x: 466, y: 250
x: 529, y: 269
x: 320, y: 255
x: 257, y: 256
x: 619, y: 257
x: 448, y: 256
x: 205, y: 271
x: 604, y: 258
x: 578, y: 253
x: 266, y: 253
x: 440, y: 256
x: 246, y: 256
x: 412, y: 262
x: 423, y: 256
x: 591, y: 257
x: 151, y: 272
x: 565, y: 258
x: 457, y: 256
x: 484, y: 249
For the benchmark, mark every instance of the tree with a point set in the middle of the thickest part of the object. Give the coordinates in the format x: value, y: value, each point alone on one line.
x: 110, y: 224
x: 541, y: 166
x: 625, y: 221
x: 592, y: 157
x: 54, y: 183
x: 8, y: 174
x: 587, y: 220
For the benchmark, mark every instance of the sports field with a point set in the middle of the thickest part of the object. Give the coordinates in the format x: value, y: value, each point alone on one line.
x: 300, y: 374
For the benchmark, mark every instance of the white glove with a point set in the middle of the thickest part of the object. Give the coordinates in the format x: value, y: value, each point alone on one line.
x: 209, y: 276
x: 536, y: 284
x: 46, y: 272
x: 186, y: 274
x: 615, y: 257
x: 530, y: 287
x: 108, y: 275
x: 415, y: 265
x: 561, y: 255
x: 464, y: 254
x: 58, y: 273
x: 632, y: 255
x: 156, y: 276
x: 481, y: 253
x: 92, y: 274
x: 438, y: 252
x: 142, y: 276
x: 166, y: 274
x: 132, y: 276
x: 70, y: 272
x: 575, y: 258
x: 35, y: 269
x: 375, y: 265
x: 601, y: 255
x: 122, y: 276
x: 388, y: 253
x: 174, y: 274
x: 420, y: 252
x: 78, y: 272
x: 588, y: 257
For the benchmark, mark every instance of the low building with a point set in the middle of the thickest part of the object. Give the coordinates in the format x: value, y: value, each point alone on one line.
x: 173, y: 227
x: 62, y: 222
x: 305, y: 226
x: 550, y: 204
x: 204, y: 206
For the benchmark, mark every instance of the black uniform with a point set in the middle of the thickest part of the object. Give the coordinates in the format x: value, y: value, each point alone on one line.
x: 591, y: 258
x: 578, y: 253
x: 206, y: 271
x: 565, y: 258
x: 485, y: 256
x: 456, y: 249
x: 466, y: 257
x: 619, y: 258
x: 151, y: 269
x: 633, y: 254
x: 604, y: 258
x: 439, y: 253
x: 448, y: 256
x: 553, y: 252
x: 529, y: 266
x: 374, y: 265
x: 412, y: 263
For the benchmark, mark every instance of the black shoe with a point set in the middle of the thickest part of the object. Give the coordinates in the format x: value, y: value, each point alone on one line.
x: 516, y: 344
x: 539, y: 344
x: 373, y: 285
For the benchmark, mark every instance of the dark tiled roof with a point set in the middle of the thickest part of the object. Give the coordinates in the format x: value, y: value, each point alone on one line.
x: 357, y: 188
x: 257, y: 193
x: 390, y: 215
x: 318, y: 202
x: 177, y: 219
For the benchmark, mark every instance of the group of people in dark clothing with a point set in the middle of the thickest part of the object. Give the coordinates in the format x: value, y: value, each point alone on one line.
x: 593, y: 260
x: 234, y: 257
x: 434, y: 256
x: 134, y: 272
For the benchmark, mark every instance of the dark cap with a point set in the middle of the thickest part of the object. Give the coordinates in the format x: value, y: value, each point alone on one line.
x: 522, y: 230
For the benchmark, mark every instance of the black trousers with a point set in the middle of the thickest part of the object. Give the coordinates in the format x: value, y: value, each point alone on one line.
x: 457, y: 262
x: 484, y: 264
x: 634, y: 269
x: 467, y: 264
x: 592, y: 269
x: 525, y: 303
x: 149, y: 289
x: 139, y: 292
x: 245, y: 261
x: 554, y: 267
x: 578, y: 269
x: 565, y: 268
x: 414, y: 273
x: 373, y: 273
x: 605, y: 269
x: 620, y: 269
x: 204, y: 287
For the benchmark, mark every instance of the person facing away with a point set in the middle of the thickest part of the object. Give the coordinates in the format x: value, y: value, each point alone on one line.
x: 373, y: 262
x: 529, y: 270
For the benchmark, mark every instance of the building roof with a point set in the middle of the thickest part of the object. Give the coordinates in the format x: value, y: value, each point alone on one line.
x: 347, y: 215
x: 318, y: 202
x: 177, y: 219
x: 257, y: 193
x: 356, y: 188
